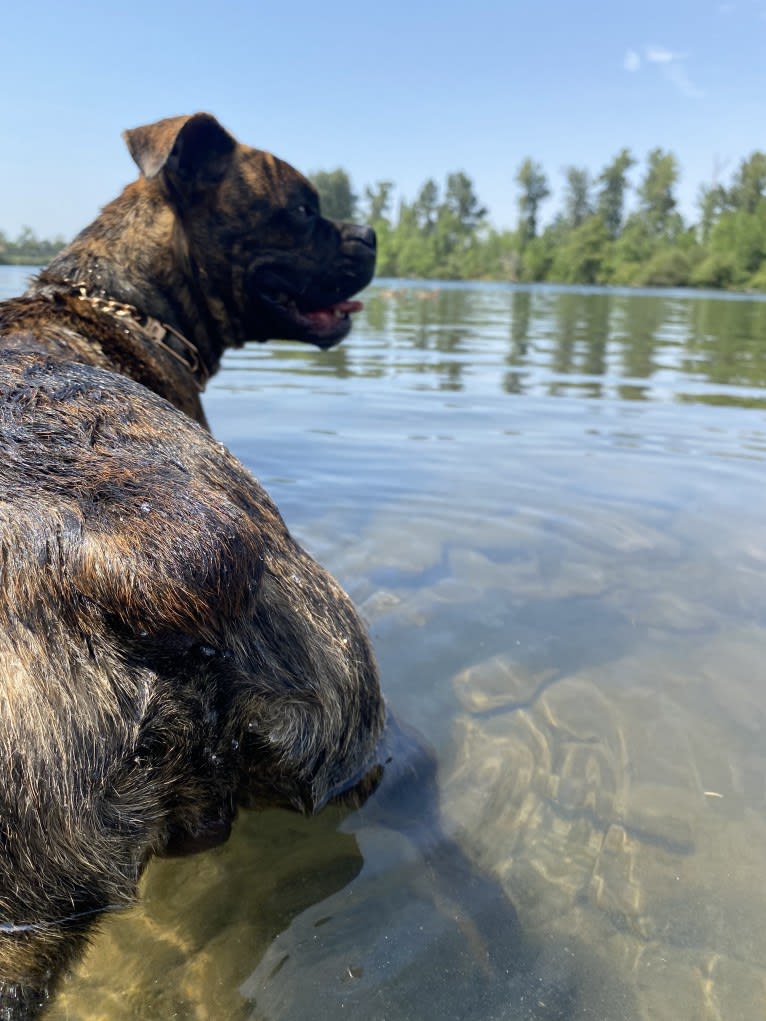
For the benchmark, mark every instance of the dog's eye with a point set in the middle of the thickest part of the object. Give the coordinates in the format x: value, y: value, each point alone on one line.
x: 305, y: 211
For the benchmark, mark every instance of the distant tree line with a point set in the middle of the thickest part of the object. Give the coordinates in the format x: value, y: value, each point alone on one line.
x: 27, y: 249
x: 607, y: 231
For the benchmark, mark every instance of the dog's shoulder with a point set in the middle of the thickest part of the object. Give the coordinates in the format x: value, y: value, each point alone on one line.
x: 113, y: 496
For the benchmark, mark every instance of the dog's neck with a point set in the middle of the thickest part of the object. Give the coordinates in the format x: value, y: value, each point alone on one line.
x: 153, y: 332
x: 133, y: 233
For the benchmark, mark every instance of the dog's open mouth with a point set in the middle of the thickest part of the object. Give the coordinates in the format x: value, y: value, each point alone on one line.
x: 324, y: 326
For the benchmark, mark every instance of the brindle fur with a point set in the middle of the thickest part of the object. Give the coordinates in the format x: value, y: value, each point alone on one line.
x: 167, y: 651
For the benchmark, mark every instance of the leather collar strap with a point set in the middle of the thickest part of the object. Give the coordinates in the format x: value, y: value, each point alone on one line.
x: 160, y: 334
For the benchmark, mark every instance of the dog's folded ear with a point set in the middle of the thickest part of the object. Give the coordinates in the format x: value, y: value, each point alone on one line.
x: 192, y: 149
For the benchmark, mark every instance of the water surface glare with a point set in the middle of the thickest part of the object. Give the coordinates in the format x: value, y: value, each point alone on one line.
x: 548, y: 504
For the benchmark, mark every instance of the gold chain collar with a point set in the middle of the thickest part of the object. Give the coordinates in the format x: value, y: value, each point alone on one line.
x: 152, y: 329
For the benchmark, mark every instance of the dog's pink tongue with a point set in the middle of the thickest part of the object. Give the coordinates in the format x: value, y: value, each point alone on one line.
x: 342, y: 308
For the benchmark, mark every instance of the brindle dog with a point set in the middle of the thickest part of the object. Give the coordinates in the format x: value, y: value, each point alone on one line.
x: 167, y: 651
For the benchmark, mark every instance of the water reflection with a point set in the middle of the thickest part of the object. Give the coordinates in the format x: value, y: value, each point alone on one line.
x: 433, y: 322
x: 586, y: 342
x: 578, y: 342
x: 520, y: 315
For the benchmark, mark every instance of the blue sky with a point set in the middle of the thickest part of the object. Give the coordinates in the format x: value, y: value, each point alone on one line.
x: 398, y: 90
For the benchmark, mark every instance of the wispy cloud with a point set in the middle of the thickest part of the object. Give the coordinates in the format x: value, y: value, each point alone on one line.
x: 671, y: 64
x: 676, y: 73
x: 659, y: 55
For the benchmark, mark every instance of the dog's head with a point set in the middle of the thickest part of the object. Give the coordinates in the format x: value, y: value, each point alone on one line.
x: 251, y: 228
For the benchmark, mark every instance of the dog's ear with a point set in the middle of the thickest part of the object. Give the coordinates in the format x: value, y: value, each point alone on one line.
x: 191, y: 149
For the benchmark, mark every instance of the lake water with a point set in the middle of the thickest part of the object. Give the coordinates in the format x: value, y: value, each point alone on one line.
x: 549, y: 505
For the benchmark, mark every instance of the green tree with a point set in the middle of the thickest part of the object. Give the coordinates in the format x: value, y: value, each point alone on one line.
x: 337, y: 199
x: 26, y: 240
x: 630, y: 251
x: 712, y: 201
x: 742, y: 235
x: 377, y: 214
x: 749, y: 185
x: 459, y: 217
x: 613, y: 182
x: 580, y: 256
x: 378, y: 201
x: 415, y: 250
x: 577, y: 206
x: 461, y: 200
x: 427, y: 206
x: 656, y: 193
x: 538, y: 254
x: 668, y: 267
x: 534, y: 189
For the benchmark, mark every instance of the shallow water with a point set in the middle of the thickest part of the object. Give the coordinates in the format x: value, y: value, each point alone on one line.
x: 548, y: 504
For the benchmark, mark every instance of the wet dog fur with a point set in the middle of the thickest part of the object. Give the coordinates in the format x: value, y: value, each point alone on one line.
x: 168, y: 653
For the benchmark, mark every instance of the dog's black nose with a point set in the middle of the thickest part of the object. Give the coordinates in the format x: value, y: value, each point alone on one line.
x: 356, y: 232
